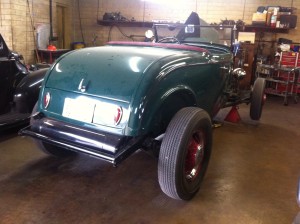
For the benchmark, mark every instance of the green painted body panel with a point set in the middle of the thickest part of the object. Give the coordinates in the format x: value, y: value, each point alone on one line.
x: 110, y: 71
x: 149, y: 83
x: 203, y: 83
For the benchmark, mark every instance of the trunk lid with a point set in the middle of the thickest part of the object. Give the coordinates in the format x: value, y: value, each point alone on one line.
x: 111, y: 72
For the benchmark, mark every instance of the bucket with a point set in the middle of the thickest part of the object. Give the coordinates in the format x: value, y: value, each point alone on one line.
x: 78, y: 45
x: 51, y: 47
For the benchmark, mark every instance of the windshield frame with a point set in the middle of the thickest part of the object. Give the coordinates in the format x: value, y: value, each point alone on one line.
x: 182, y: 27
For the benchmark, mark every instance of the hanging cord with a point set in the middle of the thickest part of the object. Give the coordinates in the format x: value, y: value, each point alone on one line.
x: 124, y: 34
x: 33, y: 30
x: 73, y: 20
x: 80, y: 23
x: 144, y: 11
x: 95, y: 36
x: 98, y: 10
x: 109, y: 33
x: 26, y: 35
x: 11, y: 27
x: 244, y: 9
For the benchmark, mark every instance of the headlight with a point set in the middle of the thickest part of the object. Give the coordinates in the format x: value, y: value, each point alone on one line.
x: 239, y: 73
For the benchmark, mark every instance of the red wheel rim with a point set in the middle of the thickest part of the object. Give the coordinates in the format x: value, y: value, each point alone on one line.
x: 195, y: 155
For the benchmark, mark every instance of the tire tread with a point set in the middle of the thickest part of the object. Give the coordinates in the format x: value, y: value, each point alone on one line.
x: 173, y: 137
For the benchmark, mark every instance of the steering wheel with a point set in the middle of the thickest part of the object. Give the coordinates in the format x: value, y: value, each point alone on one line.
x: 172, y: 40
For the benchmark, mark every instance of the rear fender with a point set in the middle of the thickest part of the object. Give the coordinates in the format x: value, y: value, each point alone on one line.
x: 170, y: 92
x: 160, y: 112
x: 27, y: 92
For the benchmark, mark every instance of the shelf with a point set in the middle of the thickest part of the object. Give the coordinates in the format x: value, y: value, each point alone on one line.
x: 251, y: 28
x: 278, y: 81
x: 125, y: 23
x: 248, y: 28
x: 49, y: 56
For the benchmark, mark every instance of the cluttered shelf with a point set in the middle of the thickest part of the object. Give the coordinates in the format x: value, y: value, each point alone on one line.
x: 282, y: 79
x: 253, y: 28
x: 247, y: 28
x: 125, y: 23
x: 273, y: 19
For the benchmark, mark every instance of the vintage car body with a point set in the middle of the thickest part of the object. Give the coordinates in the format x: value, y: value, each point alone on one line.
x: 19, y: 88
x: 140, y: 93
x: 110, y: 101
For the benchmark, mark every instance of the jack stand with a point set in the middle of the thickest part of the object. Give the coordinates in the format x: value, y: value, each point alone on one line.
x: 233, y: 115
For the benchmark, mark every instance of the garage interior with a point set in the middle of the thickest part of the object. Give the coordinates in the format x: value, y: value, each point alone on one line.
x: 254, y: 168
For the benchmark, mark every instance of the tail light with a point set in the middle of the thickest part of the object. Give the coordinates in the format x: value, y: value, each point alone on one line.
x: 46, y: 101
x: 118, y: 115
x: 107, y: 114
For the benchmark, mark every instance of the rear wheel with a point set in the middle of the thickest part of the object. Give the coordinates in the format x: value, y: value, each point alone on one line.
x: 48, y: 148
x: 185, y: 153
x: 258, y: 98
x: 53, y: 150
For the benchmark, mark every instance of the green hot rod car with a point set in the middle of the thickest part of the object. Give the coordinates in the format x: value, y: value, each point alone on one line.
x: 109, y: 101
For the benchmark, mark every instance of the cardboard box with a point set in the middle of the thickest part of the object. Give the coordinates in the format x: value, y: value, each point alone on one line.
x: 247, y: 37
x: 259, y: 18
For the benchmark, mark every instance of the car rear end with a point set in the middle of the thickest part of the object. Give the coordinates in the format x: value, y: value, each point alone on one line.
x: 85, y: 101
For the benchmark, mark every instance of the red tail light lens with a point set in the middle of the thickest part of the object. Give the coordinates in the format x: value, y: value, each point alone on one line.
x: 118, y: 115
x: 46, y: 101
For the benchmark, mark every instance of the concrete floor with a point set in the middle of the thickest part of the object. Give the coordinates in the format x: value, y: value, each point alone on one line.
x: 251, y: 178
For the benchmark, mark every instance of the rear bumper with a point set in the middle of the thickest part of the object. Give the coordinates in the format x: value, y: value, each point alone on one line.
x: 105, y: 146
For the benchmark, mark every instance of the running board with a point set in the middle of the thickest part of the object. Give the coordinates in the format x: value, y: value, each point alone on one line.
x: 10, y: 120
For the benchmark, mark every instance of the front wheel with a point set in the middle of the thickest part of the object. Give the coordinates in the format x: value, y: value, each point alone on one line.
x: 258, y: 98
x: 48, y: 148
x: 185, y: 153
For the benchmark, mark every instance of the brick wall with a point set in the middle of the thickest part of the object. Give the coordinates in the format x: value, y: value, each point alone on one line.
x: 6, y: 21
x: 18, y: 22
x: 17, y: 16
x: 212, y: 11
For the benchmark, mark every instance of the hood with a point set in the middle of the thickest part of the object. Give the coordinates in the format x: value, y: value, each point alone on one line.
x: 111, y: 72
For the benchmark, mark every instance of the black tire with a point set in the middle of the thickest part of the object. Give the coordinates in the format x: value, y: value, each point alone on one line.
x: 257, y: 98
x: 48, y: 148
x: 185, y: 153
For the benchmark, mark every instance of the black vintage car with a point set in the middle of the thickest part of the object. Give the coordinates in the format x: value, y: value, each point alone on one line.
x: 19, y: 87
